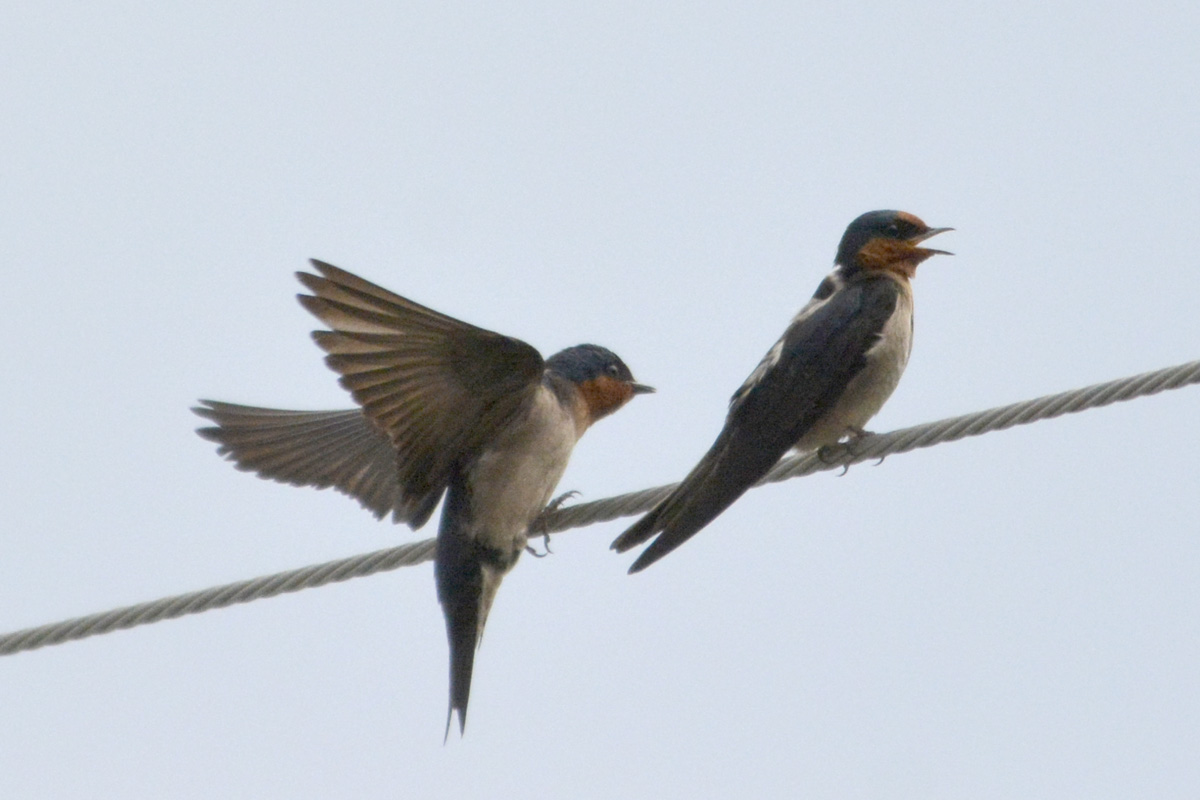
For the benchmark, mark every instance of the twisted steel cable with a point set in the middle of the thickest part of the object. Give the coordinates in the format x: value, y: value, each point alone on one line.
x: 870, y: 446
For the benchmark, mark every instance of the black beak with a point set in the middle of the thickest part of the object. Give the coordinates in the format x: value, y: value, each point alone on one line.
x: 920, y: 237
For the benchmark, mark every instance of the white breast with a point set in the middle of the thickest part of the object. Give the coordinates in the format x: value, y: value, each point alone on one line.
x: 512, y: 481
x: 871, y: 388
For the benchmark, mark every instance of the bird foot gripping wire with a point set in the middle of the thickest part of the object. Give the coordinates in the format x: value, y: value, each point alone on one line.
x: 845, y: 452
x: 539, y: 524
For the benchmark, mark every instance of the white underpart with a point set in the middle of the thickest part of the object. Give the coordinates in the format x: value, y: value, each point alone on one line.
x: 871, y: 387
x: 512, y: 481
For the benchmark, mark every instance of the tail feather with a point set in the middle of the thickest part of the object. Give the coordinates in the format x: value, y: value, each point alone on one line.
x: 686, y: 516
x: 664, y: 515
x: 468, y: 576
x: 725, y: 473
x: 462, y: 632
x: 694, y: 503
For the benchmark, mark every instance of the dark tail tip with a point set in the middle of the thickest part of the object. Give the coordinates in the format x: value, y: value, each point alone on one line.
x: 462, y: 722
x: 647, y: 558
x: 462, y: 632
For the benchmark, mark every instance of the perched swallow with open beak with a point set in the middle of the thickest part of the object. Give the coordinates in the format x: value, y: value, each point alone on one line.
x: 832, y: 370
x: 446, y: 408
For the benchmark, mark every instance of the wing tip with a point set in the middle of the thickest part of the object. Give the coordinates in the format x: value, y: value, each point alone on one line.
x: 311, y: 303
x: 209, y: 410
x: 669, y: 537
x: 212, y: 433
x: 334, y: 275
x: 639, y: 532
x: 205, y: 409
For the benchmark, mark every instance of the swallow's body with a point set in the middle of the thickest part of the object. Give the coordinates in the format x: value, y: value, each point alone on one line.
x: 490, y: 505
x: 890, y: 300
x: 447, y: 408
x: 513, y: 477
x: 832, y: 370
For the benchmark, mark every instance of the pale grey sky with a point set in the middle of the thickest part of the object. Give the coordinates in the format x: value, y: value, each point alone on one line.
x: 1011, y: 616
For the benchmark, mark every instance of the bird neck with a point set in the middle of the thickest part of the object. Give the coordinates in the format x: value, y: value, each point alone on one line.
x: 899, y: 258
x: 601, y: 396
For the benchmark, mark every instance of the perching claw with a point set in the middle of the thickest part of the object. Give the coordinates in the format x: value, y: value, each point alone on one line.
x: 557, y: 502
x: 545, y: 543
x: 540, y: 523
x: 837, y: 453
x: 856, y: 436
x: 844, y: 451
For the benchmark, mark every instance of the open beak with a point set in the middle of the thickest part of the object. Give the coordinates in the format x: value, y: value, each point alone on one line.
x: 641, y: 388
x: 929, y: 251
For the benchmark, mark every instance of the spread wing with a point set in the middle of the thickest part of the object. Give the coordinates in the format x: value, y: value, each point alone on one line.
x: 436, y: 387
x: 339, y: 449
x: 801, y: 378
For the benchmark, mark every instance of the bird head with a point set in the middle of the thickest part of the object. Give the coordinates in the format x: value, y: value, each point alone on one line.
x: 886, y: 240
x: 602, y: 378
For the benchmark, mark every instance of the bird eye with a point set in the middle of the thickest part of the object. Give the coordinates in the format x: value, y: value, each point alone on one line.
x: 613, y: 370
x: 892, y: 230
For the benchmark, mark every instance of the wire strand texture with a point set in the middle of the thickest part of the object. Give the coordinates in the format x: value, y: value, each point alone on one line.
x: 870, y: 446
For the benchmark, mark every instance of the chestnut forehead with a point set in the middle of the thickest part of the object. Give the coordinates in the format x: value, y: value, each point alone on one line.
x: 911, y: 219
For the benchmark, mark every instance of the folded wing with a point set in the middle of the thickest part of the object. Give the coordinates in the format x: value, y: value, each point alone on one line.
x: 802, y: 377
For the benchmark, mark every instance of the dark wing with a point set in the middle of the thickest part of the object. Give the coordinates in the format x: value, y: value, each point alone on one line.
x: 341, y: 449
x: 817, y: 357
x: 437, y: 387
